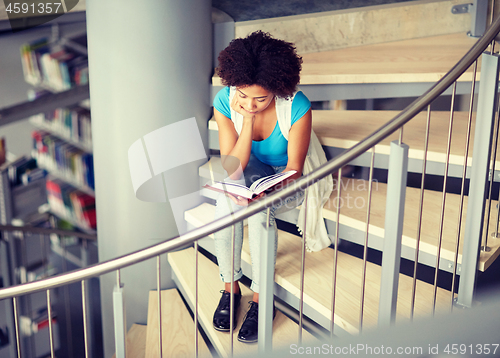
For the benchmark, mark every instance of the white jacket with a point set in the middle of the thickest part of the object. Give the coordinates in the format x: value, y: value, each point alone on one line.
x: 319, y: 193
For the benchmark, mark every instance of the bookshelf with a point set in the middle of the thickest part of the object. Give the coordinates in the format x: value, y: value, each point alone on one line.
x: 24, y: 257
x: 30, y: 256
x: 62, y: 141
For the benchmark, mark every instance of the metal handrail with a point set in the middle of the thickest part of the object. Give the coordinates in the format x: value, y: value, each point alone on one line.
x: 328, y: 168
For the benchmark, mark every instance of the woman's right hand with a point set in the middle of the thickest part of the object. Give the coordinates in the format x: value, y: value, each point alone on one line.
x: 235, y: 106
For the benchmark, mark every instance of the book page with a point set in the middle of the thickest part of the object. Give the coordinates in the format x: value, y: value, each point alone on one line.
x: 267, y: 182
x: 232, y: 188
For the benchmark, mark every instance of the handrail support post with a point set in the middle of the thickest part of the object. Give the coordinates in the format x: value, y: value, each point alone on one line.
x: 394, y: 217
x: 266, y: 289
x: 479, y: 17
x: 483, y: 136
x: 120, y: 323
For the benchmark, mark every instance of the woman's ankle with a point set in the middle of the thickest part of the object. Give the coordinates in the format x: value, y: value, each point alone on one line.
x: 236, y: 287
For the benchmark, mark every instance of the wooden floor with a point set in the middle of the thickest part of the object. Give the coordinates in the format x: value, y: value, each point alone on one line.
x: 319, y: 276
x: 177, y: 328
x: 419, y: 60
x: 285, y: 331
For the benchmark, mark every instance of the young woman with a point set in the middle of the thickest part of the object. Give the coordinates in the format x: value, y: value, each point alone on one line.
x: 264, y: 128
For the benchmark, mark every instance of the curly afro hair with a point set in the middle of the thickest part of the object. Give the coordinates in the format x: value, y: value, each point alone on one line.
x: 261, y: 60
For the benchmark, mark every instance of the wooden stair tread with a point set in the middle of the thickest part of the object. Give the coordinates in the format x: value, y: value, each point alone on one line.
x: 417, y: 60
x: 355, y: 194
x: 136, y: 341
x: 318, y: 281
x: 285, y: 331
x: 177, y: 328
x: 344, y: 129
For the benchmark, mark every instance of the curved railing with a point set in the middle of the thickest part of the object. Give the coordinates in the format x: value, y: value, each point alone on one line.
x: 330, y: 167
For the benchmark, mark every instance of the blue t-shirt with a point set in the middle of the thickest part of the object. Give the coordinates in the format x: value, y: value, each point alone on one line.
x: 273, y: 149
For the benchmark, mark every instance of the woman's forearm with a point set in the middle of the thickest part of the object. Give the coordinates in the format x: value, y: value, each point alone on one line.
x: 237, y: 159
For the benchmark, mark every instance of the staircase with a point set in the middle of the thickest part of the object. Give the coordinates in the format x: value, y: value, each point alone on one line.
x: 356, y: 73
x: 385, y: 70
x: 372, y: 71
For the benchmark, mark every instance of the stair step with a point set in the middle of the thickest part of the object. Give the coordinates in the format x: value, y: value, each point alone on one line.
x: 177, y: 328
x: 318, y: 281
x: 136, y: 341
x: 353, y: 216
x: 344, y: 129
x: 417, y: 60
x: 285, y: 331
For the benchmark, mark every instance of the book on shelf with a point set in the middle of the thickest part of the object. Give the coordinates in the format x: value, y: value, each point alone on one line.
x: 30, y: 56
x: 258, y: 187
x: 69, y: 123
x: 58, y: 156
x: 52, y: 65
x: 33, y: 174
x: 84, y: 208
x: 3, y: 151
x: 19, y: 167
x: 71, y: 204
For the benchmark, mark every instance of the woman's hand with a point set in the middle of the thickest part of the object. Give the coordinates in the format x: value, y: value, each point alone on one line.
x: 238, y: 200
x: 241, y: 201
x: 235, y: 106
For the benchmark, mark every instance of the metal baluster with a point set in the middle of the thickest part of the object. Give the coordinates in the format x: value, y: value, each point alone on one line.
x: 51, y: 332
x: 231, y: 299
x: 196, y: 298
x: 365, y: 250
x: 335, y: 255
x: 491, y: 22
x: 400, y: 135
x: 420, y: 209
x: 443, y: 203
x: 302, y: 271
x: 460, y: 209
x: 16, y: 324
x: 485, y: 247
x: 24, y: 261
x: 66, y: 297
x: 158, y: 286
x: 85, y: 327
x: 496, y: 234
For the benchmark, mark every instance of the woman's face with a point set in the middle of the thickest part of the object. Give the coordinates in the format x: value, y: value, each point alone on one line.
x: 253, y: 99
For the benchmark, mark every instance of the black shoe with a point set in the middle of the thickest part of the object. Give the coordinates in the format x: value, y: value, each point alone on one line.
x: 221, y: 319
x: 249, y: 329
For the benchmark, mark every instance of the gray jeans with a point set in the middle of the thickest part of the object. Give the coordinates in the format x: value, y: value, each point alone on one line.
x: 225, y: 206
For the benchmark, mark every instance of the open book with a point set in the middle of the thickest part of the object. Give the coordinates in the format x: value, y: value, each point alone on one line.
x: 255, y: 189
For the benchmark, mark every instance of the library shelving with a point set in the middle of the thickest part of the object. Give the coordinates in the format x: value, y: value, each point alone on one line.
x: 62, y: 143
x: 55, y: 64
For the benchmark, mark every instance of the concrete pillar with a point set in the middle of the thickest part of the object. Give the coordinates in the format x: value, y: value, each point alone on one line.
x: 150, y: 65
